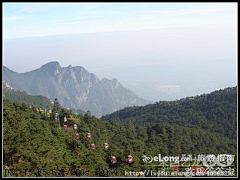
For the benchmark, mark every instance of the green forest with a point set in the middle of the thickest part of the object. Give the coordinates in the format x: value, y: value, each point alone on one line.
x: 38, y: 145
x: 23, y: 97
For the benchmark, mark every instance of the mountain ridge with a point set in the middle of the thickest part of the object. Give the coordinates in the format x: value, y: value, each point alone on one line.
x: 75, y: 88
x: 215, y: 112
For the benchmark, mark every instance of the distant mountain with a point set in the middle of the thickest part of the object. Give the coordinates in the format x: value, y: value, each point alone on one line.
x: 74, y: 87
x: 214, y: 112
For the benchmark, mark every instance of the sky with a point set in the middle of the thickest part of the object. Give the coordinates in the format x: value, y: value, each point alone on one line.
x: 41, y: 19
x: 161, y: 51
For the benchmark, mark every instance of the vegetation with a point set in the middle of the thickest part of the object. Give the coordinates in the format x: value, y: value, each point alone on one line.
x: 34, y: 101
x: 23, y: 97
x: 33, y: 141
x: 214, y: 112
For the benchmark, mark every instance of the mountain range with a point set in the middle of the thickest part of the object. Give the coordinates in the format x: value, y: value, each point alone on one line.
x: 74, y: 87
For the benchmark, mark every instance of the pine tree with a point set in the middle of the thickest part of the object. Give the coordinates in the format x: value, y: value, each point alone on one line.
x: 56, y: 106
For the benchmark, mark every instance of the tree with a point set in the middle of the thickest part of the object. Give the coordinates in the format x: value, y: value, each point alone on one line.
x: 56, y: 106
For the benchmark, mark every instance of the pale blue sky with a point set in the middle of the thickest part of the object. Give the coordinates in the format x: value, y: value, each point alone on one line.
x: 160, y: 51
x: 40, y: 19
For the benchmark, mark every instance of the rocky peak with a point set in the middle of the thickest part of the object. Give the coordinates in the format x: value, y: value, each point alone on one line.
x: 94, y: 78
x: 75, y: 88
x: 52, y: 67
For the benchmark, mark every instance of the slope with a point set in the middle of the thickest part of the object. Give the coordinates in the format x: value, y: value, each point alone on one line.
x: 33, y: 141
x: 214, y: 112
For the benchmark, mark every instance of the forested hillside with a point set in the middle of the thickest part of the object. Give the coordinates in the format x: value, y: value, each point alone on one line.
x: 23, y: 97
x: 31, y: 140
x: 214, y: 112
x: 34, y: 101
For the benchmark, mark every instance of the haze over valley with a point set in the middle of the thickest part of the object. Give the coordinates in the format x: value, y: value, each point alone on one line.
x: 157, y: 55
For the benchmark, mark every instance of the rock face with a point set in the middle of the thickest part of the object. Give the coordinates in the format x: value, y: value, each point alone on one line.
x: 74, y: 87
x: 6, y: 86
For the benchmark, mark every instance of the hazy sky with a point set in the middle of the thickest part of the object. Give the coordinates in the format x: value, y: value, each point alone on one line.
x: 39, y: 19
x: 160, y: 51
